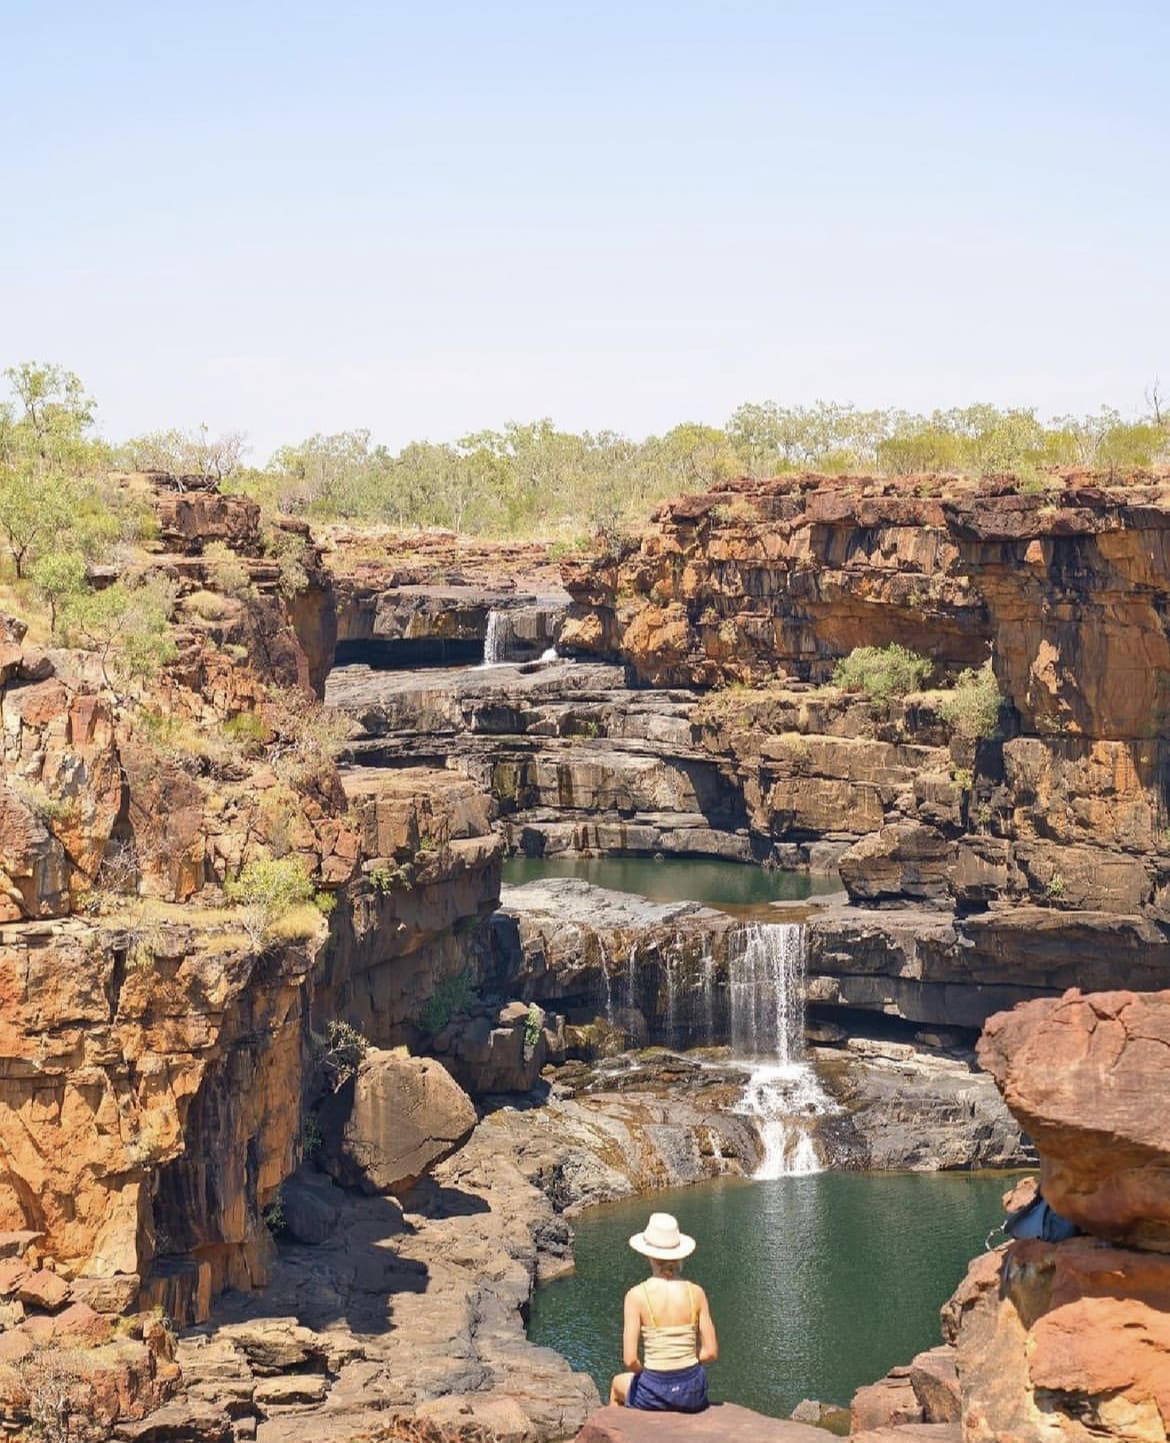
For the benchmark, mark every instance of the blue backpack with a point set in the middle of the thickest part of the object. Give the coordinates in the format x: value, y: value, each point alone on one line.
x: 1038, y: 1220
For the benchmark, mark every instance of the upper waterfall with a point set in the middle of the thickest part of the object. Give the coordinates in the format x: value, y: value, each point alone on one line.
x: 497, y: 638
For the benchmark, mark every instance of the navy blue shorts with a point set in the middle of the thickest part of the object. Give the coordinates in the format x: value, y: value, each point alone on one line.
x: 683, y: 1390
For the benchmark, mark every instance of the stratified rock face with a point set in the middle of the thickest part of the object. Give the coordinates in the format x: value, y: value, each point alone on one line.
x: 425, y: 598
x: 397, y: 1118
x: 412, y: 923
x: 793, y: 573
x: 1086, y: 1076
x: 1071, y: 1340
x: 149, y: 1097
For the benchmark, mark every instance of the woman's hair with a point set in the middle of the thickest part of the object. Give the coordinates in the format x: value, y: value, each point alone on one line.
x: 665, y: 1267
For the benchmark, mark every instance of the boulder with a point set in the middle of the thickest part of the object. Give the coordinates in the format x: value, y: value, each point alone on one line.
x: 721, y: 1423
x: 311, y: 1205
x: 43, y: 1290
x: 179, y: 1423
x: 903, y: 862
x: 887, y: 1403
x: 934, y: 1377
x: 1081, y: 1074
x: 289, y: 1389
x: 276, y: 1345
x: 1065, y: 1341
x: 398, y: 1117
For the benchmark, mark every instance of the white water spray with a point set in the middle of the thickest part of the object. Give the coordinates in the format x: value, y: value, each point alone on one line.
x: 767, y: 1023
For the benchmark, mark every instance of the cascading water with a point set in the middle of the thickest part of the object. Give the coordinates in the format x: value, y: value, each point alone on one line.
x: 607, y: 985
x: 497, y: 638
x: 767, y: 1022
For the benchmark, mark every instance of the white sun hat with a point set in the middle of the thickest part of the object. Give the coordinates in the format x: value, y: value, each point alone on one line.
x: 662, y: 1239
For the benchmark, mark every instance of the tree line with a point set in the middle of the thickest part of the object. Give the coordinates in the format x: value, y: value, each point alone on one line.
x: 533, y: 478
x: 60, y: 516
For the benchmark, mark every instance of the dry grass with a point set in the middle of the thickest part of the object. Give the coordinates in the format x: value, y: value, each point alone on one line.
x: 298, y: 924
x: 19, y: 599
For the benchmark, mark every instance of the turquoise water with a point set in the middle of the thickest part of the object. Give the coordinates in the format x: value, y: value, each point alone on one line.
x: 675, y: 879
x: 817, y: 1284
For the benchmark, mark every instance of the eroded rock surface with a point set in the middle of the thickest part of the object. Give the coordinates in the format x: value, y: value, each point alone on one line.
x: 1082, y: 1073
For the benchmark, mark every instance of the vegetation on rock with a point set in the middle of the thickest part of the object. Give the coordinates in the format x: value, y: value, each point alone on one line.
x: 973, y: 704
x: 266, y: 891
x: 452, y: 995
x: 881, y: 671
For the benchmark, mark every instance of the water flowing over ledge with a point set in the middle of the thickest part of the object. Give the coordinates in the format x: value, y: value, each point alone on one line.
x: 767, y: 985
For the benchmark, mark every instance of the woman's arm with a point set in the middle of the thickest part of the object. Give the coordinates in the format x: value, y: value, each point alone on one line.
x: 708, y: 1342
x: 631, y: 1333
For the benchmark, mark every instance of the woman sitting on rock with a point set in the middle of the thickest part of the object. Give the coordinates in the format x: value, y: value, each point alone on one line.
x: 672, y: 1321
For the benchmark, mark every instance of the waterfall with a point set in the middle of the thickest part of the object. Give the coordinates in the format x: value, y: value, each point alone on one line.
x: 632, y: 977
x: 670, y: 959
x: 708, y: 988
x: 607, y: 985
x: 767, y: 993
x: 767, y: 974
x: 497, y: 638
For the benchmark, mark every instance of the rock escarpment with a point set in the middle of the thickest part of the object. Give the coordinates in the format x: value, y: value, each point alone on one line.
x: 1043, y: 833
x: 157, y: 1047
x: 411, y: 599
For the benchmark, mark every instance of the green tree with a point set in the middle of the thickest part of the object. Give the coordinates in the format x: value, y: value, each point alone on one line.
x: 34, y: 508
x: 126, y: 625
x: 60, y: 579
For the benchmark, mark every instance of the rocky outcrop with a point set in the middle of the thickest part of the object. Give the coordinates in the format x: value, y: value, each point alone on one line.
x: 1065, y: 1341
x: 409, y: 599
x: 1080, y: 1072
x: 1069, y: 1340
x: 414, y: 922
x: 573, y: 760
x: 393, y: 1121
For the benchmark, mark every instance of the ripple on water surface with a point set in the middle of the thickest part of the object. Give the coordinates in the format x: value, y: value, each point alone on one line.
x: 817, y: 1284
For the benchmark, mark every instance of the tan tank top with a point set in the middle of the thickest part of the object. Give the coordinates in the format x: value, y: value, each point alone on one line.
x: 667, y: 1349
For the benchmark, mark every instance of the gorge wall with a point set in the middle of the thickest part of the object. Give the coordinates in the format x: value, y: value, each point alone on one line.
x: 158, y: 1063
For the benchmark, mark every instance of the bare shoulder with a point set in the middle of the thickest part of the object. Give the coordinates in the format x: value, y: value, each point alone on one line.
x: 700, y: 1292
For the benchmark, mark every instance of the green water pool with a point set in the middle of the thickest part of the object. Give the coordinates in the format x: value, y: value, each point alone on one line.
x: 676, y: 879
x: 818, y: 1284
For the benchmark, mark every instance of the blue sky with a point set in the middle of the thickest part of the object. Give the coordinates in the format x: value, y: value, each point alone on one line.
x: 427, y: 219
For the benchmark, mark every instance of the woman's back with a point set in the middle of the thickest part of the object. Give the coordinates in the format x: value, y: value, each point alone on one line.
x: 669, y: 1340
x: 668, y: 1302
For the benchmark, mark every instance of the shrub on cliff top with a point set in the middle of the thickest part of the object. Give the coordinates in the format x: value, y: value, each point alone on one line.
x: 267, y: 890
x: 973, y: 706
x: 881, y: 671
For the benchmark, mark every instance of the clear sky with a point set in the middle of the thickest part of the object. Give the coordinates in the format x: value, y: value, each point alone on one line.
x: 428, y: 218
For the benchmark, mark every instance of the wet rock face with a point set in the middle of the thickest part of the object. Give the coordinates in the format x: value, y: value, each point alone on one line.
x: 1082, y: 1073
